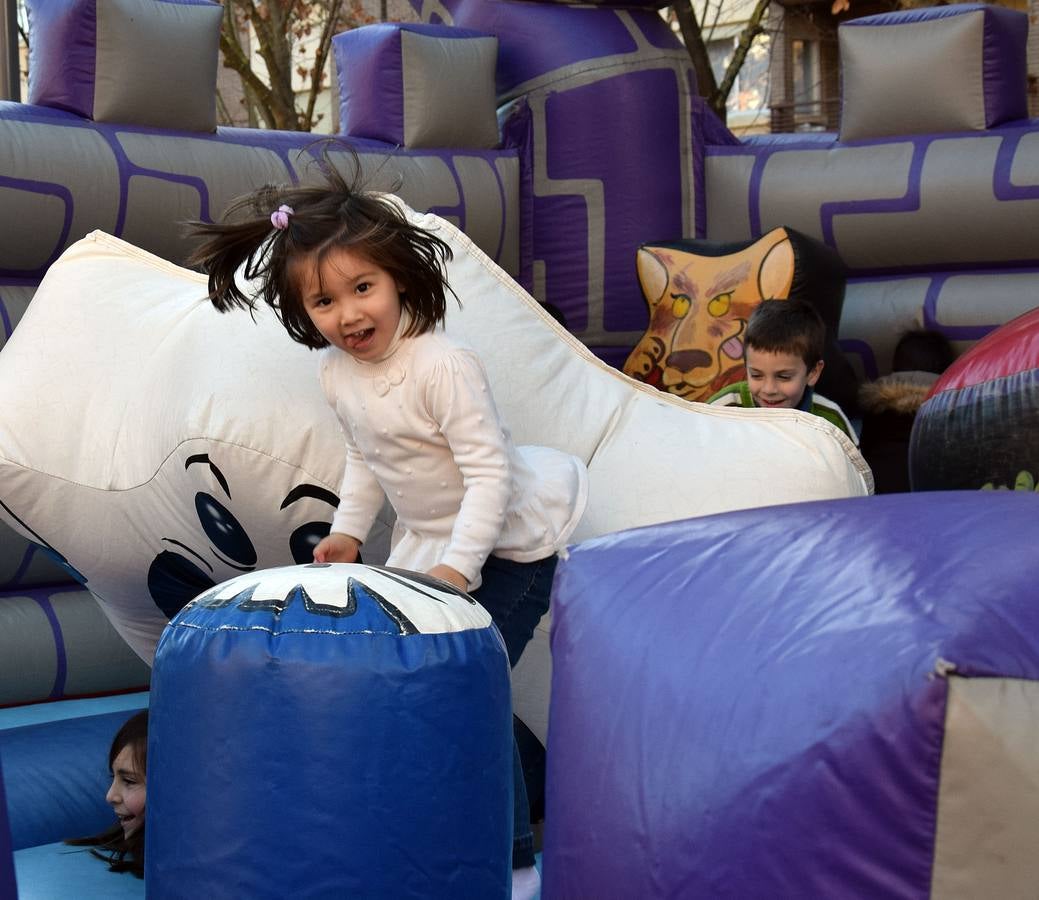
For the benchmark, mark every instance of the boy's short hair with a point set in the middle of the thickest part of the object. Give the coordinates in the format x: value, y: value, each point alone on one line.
x: 787, y: 326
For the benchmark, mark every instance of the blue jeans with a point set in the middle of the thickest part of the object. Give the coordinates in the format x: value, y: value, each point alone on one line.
x: 516, y: 595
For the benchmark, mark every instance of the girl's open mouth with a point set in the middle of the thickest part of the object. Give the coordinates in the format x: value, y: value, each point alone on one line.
x: 359, y: 338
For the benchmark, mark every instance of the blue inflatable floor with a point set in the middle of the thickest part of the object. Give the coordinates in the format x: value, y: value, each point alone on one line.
x: 60, y: 872
x: 56, y: 871
x: 36, y: 713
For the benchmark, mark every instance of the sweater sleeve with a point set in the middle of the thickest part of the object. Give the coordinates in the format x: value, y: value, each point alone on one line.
x: 360, y: 495
x: 459, y: 400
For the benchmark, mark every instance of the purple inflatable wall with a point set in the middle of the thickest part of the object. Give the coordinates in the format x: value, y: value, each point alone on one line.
x: 602, y: 105
x: 753, y: 704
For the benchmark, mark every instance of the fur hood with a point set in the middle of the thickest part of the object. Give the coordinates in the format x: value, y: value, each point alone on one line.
x: 899, y: 392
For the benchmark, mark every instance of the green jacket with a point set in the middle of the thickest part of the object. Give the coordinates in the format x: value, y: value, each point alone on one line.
x: 738, y: 394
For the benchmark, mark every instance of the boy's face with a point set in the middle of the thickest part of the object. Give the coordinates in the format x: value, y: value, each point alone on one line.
x: 778, y: 380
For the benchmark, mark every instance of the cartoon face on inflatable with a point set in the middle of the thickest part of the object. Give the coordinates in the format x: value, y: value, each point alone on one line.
x: 375, y: 598
x: 699, y: 305
x: 186, y: 565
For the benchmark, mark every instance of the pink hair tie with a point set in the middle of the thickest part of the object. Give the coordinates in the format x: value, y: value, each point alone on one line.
x: 280, y: 217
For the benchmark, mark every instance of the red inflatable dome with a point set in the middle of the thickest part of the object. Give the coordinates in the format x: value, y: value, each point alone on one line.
x: 979, y: 427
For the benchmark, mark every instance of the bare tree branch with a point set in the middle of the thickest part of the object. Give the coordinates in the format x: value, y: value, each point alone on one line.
x: 714, y: 25
x: 750, y: 31
x: 237, y: 59
x: 692, y: 34
x: 324, y: 45
x: 278, y: 30
x: 696, y: 47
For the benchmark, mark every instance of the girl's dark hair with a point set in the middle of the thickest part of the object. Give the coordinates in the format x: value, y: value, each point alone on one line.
x: 123, y: 854
x: 787, y: 326
x: 335, y: 214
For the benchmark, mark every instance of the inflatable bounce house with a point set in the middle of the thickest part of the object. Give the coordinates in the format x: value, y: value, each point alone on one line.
x: 805, y: 690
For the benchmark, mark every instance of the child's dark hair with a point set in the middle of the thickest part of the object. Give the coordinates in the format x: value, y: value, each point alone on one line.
x: 323, y: 217
x: 922, y: 350
x: 123, y: 854
x: 787, y: 326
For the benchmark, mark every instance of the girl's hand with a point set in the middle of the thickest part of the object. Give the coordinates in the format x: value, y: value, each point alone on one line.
x: 336, y: 547
x: 451, y: 576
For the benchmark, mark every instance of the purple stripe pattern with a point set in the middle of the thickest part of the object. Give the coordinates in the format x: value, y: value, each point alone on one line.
x: 292, y: 148
x: 1015, y: 144
x: 42, y: 599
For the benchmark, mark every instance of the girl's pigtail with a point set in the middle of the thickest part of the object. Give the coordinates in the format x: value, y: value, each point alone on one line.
x: 229, y: 245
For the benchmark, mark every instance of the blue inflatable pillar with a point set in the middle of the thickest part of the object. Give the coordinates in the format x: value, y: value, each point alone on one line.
x: 7, y: 885
x: 330, y: 731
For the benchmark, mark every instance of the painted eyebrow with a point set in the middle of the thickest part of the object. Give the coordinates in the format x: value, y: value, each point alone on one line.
x: 727, y: 280
x: 187, y: 549
x: 217, y: 474
x: 309, y: 490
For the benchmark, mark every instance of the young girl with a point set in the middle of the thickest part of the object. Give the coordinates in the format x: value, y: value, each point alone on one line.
x: 346, y: 271
x: 123, y: 843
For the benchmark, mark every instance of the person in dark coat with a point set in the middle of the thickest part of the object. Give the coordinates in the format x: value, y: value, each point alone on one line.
x: 890, y: 403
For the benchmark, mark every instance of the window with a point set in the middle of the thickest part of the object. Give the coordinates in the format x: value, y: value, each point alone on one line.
x: 807, y: 81
x: 747, y: 103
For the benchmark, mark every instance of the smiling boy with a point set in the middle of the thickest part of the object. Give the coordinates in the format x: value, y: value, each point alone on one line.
x: 783, y: 350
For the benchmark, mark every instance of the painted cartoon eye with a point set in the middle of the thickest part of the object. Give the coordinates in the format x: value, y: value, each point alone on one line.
x: 224, y: 530
x: 680, y: 305
x: 719, y: 304
x: 305, y: 538
x: 173, y: 580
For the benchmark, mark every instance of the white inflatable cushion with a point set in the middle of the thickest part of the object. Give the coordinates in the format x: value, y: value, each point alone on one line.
x: 162, y: 447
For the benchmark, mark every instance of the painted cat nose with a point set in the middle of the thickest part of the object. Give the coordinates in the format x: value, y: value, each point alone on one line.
x: 687, y: 360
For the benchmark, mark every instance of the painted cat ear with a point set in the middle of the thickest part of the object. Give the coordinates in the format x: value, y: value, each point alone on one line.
x: 652, y: 276
x: 777, y: 270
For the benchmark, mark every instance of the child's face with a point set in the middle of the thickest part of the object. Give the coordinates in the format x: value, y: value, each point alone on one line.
x: 126, y: 795
x: 778, y: 380
x: 354, y: 303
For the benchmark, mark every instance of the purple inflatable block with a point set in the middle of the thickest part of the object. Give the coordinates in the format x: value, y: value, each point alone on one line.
x: 1003, y: 51
x: 108, y: 61
x: 753, y: 704
x: 61, y: 56
x: 402, y: 83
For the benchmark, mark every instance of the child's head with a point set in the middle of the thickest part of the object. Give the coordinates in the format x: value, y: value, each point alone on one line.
x: 922, y: 350
x: 123, y: 843
x: 128, y: 763
x: 783, y: 349
x: 297, y: 238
